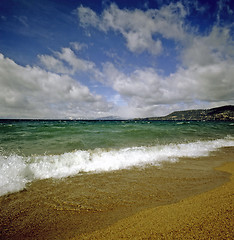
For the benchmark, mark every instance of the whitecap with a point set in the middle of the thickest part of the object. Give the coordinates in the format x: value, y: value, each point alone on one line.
x: 16, y: 171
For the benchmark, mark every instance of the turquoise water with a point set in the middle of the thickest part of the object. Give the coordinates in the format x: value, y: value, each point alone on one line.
x: 55, y: 137
x: 32, y: 150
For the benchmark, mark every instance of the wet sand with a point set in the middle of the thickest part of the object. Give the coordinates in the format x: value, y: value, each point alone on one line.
x: 187, y: 199
x: 209, y: 215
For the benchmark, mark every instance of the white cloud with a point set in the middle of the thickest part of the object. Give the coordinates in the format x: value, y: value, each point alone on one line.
x: 30, y: 92
x: 66, y: 62
x: 210, y: 83
x: 138, y: 27
x: 140, y: 84
x: 209, y: 49
x: 205, y: 78
x: 145, y: 91
x: 76, y: 63
x: 88, y: 16
x: 78, y: 46
x: 53, y: 64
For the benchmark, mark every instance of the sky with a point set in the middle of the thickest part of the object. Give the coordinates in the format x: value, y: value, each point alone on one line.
x: 83, y: 59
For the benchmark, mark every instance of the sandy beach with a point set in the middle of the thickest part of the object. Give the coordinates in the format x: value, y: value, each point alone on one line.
x: 208, y: 215
x: 183, y: 200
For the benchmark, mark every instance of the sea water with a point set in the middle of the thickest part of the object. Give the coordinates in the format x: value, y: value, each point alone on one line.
x: 34, y: 150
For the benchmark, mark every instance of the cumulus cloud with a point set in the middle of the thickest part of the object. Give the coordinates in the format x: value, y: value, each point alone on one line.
x: 208, y: 62
x: 31, y: 92
x: 139, y: 28
x: 76, y: 63
x: 212, y: 83
x: 215, y: 47
x: 66, y: 61
x: 205, y: 77
x: 53, y: 64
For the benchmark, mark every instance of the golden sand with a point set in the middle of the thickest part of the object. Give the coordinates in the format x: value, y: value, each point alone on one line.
x: 208, y: 215
x: 183, y: 200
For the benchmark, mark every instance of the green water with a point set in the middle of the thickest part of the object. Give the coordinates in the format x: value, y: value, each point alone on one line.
x: 57, y: 137
x: 34, y: 150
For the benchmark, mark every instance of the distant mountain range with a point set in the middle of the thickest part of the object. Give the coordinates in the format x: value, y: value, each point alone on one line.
x: 225, y: 113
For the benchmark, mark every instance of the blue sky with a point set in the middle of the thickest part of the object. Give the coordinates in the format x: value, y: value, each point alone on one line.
x: 92, y: 59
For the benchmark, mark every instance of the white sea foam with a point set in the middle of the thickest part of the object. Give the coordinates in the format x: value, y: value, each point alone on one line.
x: 16, y: 171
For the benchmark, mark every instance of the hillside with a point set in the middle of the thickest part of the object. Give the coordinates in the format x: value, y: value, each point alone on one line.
x: 225, y: 113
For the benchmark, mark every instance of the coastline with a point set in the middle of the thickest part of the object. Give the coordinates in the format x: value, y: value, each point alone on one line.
x: 119, y: 204
x: 208, y: 215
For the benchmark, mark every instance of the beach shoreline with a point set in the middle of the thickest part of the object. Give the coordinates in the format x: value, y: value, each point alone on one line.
x: 109, y: 205
x: 208, y: 215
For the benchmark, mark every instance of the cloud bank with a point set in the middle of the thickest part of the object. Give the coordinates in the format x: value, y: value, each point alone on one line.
x: 203, y: 76
x: 31, y: 92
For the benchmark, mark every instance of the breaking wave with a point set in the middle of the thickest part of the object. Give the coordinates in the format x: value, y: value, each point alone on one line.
x: 16, y: 171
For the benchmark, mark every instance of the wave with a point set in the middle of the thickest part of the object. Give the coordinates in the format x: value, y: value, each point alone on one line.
x: 17, y: 171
